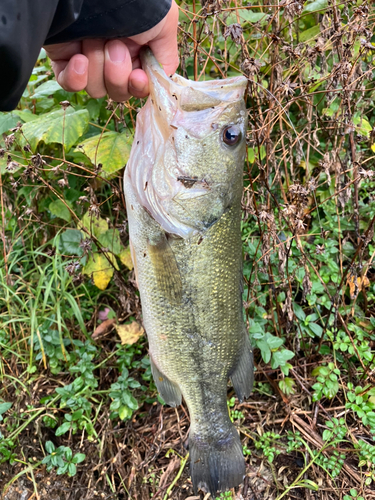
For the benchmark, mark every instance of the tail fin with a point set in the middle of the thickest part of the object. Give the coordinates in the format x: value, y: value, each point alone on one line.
x: 216, y: 466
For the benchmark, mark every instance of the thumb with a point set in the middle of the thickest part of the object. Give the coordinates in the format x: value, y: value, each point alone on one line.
x: 164, y: 45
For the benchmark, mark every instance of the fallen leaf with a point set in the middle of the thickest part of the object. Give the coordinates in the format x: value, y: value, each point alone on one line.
x: 361, y: 284
x: 103, y: 328
x: 172, y: 466
x: 130, y: 333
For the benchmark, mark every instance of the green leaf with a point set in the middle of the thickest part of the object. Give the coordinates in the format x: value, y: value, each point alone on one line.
x: 111, y: 240
x: 281, y: 357
x: 59, y: 209
x: 78, y: 458
x: 72, y: 469
x: 69, y: 242
x: 310, y: 34
x: 50, y: 447
x: 247, y: 16
x: 111, y: 149
x: 265, y: 350
x: 62, y: 469
x: 8, y: 121
x: 364, y: 127
x: 68, y: 454
x: 351, y: 397
x: 315, y: 5
x: 316, y: 329
x: 125, y: 412
x: 298, y: 311
x: 274, y: 342
x: 46, y: 89
x: 4, y: 407
x: 50, y: 128
x: 62, y: 429
x: 251, y: 16
x: 93, y: 225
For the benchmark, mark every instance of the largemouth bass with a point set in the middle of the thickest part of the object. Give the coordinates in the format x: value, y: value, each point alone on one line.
x: 183, y: 187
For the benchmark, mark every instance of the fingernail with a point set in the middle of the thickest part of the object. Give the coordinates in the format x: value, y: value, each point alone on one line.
x: 80, y: 66
x: 116, y: 52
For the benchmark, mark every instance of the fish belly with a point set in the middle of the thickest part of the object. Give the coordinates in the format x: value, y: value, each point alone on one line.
x: 191, y: 295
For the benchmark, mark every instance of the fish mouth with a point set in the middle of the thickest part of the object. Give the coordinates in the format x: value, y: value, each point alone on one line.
x: 189, y: 95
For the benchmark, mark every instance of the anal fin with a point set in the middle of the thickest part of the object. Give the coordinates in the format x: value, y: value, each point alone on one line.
x: 167, y: 389
x: 242, y: 376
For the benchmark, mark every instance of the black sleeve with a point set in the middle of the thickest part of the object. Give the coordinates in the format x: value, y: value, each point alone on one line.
x: 26, y: 25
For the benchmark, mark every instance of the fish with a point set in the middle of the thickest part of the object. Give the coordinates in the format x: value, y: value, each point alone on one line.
x: 183, y: 186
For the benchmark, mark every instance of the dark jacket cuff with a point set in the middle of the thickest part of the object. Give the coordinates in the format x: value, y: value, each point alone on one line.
x: 113, y: 19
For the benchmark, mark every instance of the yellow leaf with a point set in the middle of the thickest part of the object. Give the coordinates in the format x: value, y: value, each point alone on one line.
x: 130, y: 333
x: 99, y: 269
x: 126, y: 258
x: 361, y: 283
x: 373, y: 148
x: 94, y: 225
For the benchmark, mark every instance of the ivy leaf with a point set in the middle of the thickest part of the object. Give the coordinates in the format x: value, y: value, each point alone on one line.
x: 50, y: 128
x: 111, y: 149
x: 59, y: 209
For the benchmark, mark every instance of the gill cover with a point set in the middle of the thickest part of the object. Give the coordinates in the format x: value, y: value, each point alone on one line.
x: 182, y: 122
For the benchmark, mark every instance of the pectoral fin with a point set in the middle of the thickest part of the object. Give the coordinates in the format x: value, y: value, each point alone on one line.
x: 167, y: 389
x: 242, y: 376
x: 167, y: 273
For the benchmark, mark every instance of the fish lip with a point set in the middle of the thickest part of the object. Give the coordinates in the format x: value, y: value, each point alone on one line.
x: 188, y: 95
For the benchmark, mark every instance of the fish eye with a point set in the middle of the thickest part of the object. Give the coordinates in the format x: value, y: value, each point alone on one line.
x: 231, y: 135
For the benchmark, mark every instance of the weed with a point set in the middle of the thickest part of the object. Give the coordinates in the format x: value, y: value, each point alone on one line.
x: 268, y: 443
x: 62, y: 459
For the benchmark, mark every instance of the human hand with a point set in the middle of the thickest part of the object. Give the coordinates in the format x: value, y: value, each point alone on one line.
x: 113, y: 67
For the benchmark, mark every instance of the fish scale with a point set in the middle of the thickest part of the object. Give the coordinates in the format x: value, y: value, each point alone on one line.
x: 184, y: 213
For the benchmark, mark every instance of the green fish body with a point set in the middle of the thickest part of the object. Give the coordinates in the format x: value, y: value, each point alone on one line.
x: 183, y: 187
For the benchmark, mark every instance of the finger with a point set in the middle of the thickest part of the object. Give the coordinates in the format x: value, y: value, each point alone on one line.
x: 72, y: 75
x: 138, y: 83
x: 117, y: 69
x: 164, y: 46
x: 93, y: 49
